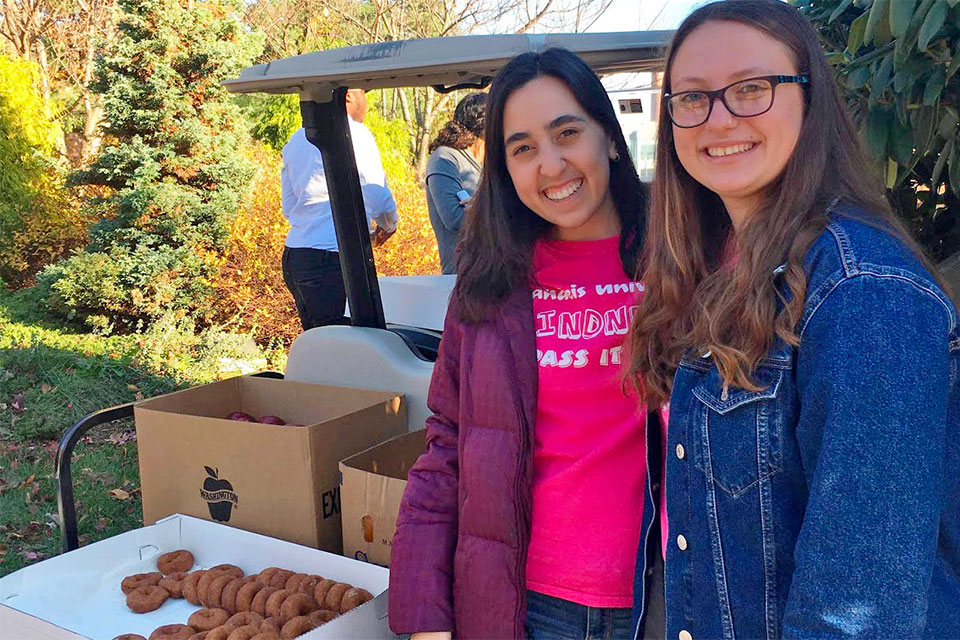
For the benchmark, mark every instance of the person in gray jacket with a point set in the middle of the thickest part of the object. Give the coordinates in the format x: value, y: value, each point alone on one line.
x: 452, y: 174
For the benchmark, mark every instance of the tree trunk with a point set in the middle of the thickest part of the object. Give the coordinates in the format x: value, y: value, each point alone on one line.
x: 44, y: 79
x: 92, y: 105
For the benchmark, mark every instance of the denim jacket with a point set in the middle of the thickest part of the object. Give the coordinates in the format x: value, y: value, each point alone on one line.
x: 827, y: 504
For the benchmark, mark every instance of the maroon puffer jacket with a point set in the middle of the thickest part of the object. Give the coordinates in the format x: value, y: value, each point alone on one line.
x: 459, y: 555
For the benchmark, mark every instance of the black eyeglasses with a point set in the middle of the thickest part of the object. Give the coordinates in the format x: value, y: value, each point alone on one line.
x: 744, y: 99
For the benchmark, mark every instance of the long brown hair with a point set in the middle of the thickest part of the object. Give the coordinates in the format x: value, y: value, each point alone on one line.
x: 499, y: 231
x: 691, y: 304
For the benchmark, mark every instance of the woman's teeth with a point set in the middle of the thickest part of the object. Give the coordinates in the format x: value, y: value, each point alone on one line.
x: 719, y: 152
x: 560, y: 193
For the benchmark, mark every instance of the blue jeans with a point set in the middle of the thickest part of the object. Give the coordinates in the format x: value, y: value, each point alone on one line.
x: 550, y: 618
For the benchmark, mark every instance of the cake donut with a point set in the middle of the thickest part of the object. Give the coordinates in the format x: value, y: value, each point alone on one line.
x: 175, y: 562
x: 146, y: 598
x: 172, y: 632
x: 207, y: 619
x: 130, y: 583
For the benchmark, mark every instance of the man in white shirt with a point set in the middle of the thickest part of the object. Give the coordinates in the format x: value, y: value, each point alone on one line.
x: 311, y: 260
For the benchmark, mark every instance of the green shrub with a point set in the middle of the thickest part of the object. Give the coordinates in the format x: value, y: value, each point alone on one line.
x: 173, y: 168
x: 897, y: 63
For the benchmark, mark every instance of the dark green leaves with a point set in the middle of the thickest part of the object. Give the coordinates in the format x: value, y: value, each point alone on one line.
x: 878, y: 20
x: 900, y: 13
x: 932, y: 23
x: 857, y: 30
x: 839, y: 10
x: 881, y: 78
x: 875, y: 133
x: 900, y: 77
x: 934, y: 86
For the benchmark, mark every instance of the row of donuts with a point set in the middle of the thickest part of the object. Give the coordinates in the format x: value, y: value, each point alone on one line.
x: 275, y: 603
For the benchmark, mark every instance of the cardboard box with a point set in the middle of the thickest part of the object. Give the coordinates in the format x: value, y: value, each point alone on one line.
x: 371, y: 486
x: 280, y: 481
x: 77, y: 595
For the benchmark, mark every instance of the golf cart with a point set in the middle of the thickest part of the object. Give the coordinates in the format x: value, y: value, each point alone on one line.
x: 395, y: 322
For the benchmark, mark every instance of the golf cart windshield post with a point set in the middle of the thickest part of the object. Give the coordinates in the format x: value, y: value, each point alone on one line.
x: 326, y: 127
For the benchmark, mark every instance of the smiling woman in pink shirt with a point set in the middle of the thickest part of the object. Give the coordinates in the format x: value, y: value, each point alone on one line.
x: 523, y: 518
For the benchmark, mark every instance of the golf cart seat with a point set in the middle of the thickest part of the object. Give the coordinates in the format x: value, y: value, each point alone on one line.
x: 363, y: 357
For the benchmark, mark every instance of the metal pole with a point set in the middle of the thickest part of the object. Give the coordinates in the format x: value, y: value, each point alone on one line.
x: 327, y: 129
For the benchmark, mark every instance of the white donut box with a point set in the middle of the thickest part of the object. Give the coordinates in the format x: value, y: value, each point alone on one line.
x: 76, y: 595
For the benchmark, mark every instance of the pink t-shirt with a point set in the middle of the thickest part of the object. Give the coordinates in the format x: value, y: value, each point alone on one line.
x: 589, y: 460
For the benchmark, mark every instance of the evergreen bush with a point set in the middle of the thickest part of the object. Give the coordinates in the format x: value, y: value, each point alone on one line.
x: 172, y: 164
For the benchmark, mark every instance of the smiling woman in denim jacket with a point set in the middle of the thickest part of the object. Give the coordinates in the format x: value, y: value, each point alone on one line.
x: 809, y: 352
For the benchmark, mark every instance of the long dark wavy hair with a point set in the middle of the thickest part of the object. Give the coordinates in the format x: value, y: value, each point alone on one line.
x: 466, y: 126
x: 693, y: 304
x: 499, y: 231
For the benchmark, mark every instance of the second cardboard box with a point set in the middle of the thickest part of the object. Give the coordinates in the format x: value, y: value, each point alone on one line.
x: 371, y: 486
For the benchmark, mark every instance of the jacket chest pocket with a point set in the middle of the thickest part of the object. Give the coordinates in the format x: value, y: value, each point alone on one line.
x: 736, y: 434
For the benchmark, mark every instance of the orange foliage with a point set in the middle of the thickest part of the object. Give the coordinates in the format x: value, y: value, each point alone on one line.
x: 412, y: 250
x: 250, y: 292
x: 249, y: 287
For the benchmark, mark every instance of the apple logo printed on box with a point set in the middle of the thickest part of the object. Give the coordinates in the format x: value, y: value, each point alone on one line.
x: 219, y: 496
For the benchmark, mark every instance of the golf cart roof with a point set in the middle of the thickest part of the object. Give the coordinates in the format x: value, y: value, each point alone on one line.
x: 443, y: 63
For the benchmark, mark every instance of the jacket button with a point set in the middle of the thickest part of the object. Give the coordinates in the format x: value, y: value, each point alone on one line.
x: 684, y: 635
x: 680, y: 451
x: 682, y: 542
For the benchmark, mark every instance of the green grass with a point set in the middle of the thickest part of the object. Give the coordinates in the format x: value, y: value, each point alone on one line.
x: 29, y: 523
x: 51, y: 375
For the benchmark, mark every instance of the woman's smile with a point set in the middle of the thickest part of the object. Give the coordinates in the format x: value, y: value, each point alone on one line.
x: 563, y: 191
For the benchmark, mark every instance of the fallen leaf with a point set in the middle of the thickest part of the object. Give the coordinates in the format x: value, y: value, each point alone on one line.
x: 45, y: 388
x: 17, y: 406
x: 119, y: 494
x: 132, y: 387
x: 122, y: 438
x: 102, y: 477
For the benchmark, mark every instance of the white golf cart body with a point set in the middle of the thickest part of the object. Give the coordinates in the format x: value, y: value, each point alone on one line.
x: 396, y: 321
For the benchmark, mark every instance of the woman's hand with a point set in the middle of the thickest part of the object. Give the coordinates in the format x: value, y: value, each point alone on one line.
x: 432, y: 635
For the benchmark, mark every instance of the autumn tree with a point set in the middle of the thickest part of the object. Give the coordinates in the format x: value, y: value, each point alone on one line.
x: 292, y: 27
